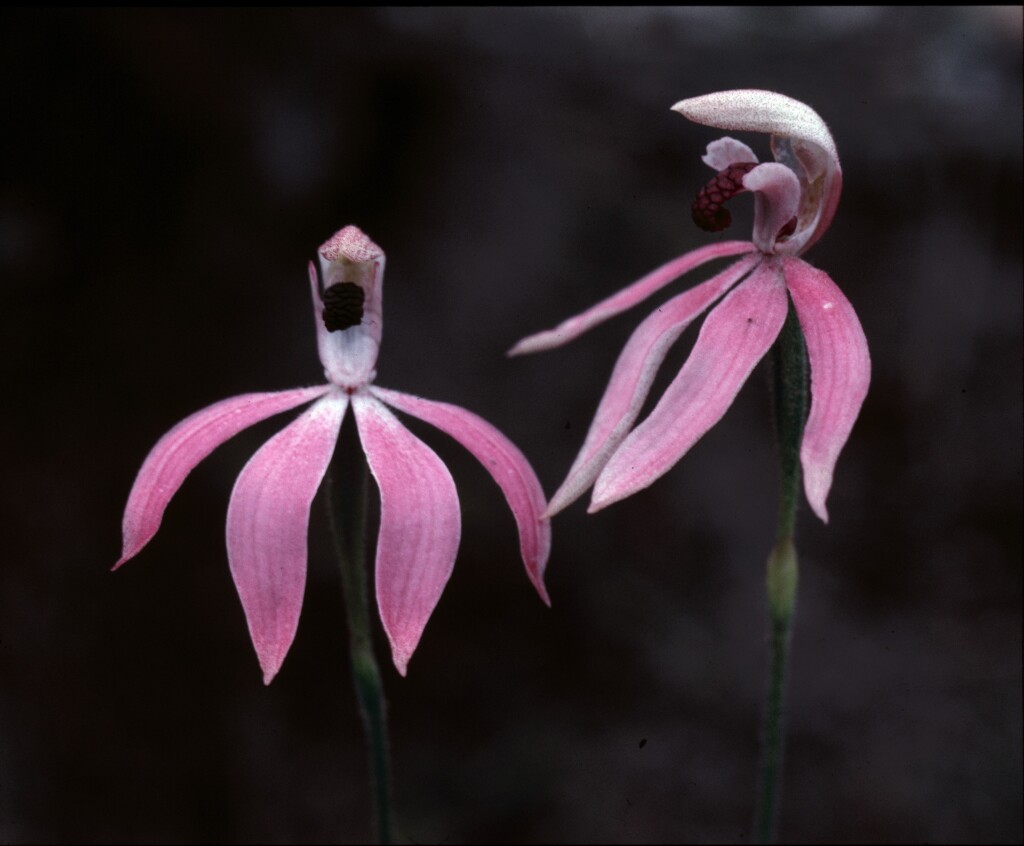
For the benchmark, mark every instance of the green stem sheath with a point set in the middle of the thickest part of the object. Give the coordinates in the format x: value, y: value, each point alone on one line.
x: 789, y: 377
x: 346, y: 503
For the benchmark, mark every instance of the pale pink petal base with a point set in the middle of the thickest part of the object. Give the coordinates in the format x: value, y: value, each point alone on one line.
x: 633, y: 376
x: 726, y: 152
x: 628, y: 297
x: 506, y: 464
x: 840, y: 373
x: 183, y: 447
x: 420, y: 525
x: 268, y: 523
x: 734, y: 337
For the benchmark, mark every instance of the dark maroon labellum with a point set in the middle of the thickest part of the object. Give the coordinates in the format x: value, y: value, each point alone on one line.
x: 709, y: 213
x: 343, y: 306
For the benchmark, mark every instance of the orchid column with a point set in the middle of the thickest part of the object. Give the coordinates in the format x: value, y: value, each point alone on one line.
x: 767, y: 296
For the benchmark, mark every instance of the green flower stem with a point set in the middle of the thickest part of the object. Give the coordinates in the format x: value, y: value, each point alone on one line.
x: 346, y: 504
x: 789, y: 360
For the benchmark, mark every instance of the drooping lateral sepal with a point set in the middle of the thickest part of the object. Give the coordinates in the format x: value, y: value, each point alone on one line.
x: 420, y: 525
x: 268, y: 524
x: 634, y: 374
x: 178, y: 452
x: 734, y: 338
x: 840, y: 365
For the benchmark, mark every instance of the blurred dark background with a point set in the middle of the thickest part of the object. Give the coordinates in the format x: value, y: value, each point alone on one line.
x: 165, y: 177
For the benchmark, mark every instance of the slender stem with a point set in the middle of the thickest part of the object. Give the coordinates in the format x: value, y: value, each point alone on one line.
x: 789, y: 359
x: 789, y: 368
x: 346, y: 504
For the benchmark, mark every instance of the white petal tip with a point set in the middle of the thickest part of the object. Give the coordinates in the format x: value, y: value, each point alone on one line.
x: 691, y: 108
x: 604, y: 495
x: 572, y: 489
x: 553, y: 509
x: 128, y: 553
x: 535, y: 343
x: 269, y: 673
x: 816, y: 490
x: 400, y: 658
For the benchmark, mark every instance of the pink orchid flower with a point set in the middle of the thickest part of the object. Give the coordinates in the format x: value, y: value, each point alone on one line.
x: 795, y: 198
x: 268, y: 515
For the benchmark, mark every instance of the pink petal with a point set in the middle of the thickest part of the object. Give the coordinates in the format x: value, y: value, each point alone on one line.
x: 420, y: 525
x: 349, y: 356
x: 840, y: 373
x: 506, y: 464
x: 628, y: 297
x: 182, y: 448
x: 267, y: 525
x: 633, y: 375
x: 734, y: 337
x: 726, y: 152
x: 800, y: 140
x: 776, y: 201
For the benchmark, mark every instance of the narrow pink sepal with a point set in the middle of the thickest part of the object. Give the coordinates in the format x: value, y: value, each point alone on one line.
x: 840, y: 373
x: 420, y: 525
x: 506, y: 464
x: 725, y: 152
x: 183, y: 447
x: 268, y: 524
x: 633, y: 376
x: 628, y: 297
x: 734, y: 337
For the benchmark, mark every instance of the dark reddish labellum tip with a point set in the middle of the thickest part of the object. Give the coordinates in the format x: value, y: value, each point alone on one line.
x: 343, y: 306
x: 709, y: 212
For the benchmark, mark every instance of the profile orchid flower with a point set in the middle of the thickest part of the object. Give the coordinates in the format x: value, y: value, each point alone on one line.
x: 268, y: 514
x: 795, y: 198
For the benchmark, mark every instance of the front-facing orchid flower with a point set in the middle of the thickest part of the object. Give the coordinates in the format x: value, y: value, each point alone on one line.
x: 795, y: 198
x: 268, y: 515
